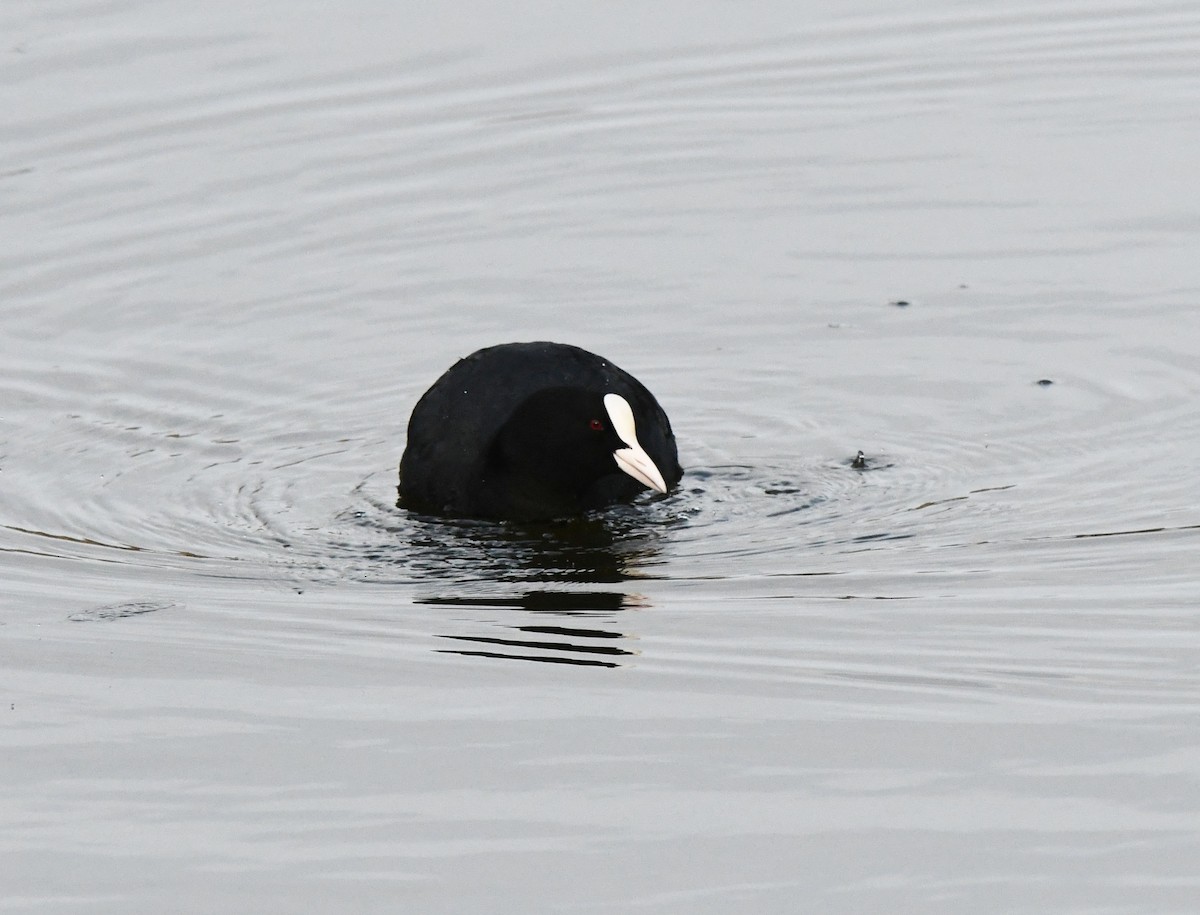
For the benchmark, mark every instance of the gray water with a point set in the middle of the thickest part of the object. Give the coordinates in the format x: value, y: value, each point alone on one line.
x: 239, y: 240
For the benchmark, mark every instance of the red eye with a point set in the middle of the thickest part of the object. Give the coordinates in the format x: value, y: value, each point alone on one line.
x: 596, y: 425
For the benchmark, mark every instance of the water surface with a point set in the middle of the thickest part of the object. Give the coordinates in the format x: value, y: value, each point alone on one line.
x: 242, y: 240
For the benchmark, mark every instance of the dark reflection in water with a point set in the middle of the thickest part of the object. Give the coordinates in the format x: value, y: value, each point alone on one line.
x: 562, y: 603
x: 502, y: 573
x: 555, y: 644
x: 608, y: 547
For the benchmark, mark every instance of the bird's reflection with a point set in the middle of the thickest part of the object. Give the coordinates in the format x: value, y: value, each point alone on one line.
x: 607, y: 548
x: 592, y: 646
x: 526, y: 589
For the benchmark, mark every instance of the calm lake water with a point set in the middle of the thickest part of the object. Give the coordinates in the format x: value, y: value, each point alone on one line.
x: 241, y: 239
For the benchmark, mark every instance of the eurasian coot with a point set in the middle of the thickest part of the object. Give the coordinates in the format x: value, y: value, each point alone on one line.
x: 534, y: 431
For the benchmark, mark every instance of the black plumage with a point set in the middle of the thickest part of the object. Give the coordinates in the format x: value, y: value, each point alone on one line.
x: 533, y: 431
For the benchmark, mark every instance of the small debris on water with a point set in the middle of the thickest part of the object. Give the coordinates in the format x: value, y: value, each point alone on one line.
x: 1044, y: 382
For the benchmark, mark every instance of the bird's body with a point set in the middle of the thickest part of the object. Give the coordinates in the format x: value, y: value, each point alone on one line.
x: 532, y: 431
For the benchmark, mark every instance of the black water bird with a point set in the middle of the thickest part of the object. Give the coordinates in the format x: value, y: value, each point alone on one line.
x: 534, y: 431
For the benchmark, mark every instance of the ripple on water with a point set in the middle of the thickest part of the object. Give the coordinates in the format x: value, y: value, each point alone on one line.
x: 195, y: 385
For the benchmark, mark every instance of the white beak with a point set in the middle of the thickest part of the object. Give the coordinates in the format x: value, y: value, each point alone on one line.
x: 633, y: 460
